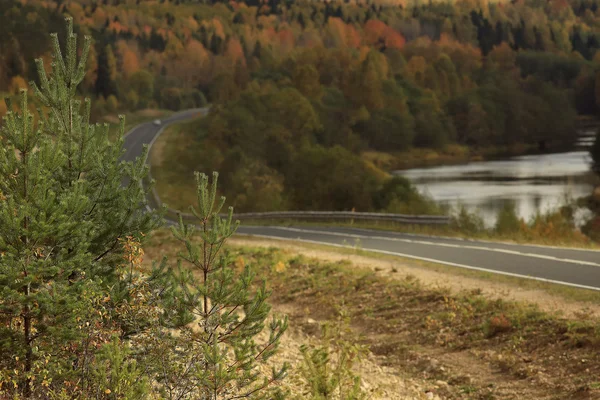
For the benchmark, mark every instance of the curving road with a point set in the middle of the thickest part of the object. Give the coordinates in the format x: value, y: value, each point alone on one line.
x: 148, y: 132
x: 572, y: 267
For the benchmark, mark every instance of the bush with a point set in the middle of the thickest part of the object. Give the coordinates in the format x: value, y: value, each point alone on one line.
x: 326, y: 370
x: 552, y: 225
x: 132, y: 100
x: 398, y: 195
x: 142, y: 82
x: 112, y: 104
x: 498, y: 324
x: 171, y: 99
x: 592, y: 228
x: 507, y: 221
x: 193, y: 98
x: 466, y: 222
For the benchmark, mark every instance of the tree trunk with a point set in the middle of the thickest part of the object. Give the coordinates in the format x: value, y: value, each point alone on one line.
x: 28, y: 352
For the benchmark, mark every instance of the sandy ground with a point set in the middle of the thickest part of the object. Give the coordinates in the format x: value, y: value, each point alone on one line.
x: 379, y: 381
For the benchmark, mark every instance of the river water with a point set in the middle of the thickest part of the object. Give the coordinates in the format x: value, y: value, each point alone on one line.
x: 534, y: 183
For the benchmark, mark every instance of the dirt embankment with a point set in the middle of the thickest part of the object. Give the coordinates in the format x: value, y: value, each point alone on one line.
x: 394, y: 267
x: 431, y: 334
x: 439, y: 335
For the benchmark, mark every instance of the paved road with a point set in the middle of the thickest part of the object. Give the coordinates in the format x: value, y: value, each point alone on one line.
x: 573, y: 267
x: 146, y: 133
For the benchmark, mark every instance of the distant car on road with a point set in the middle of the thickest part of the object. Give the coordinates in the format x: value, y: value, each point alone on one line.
x: 157, y: 122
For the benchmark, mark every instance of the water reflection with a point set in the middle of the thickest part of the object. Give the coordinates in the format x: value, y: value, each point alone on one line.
x: 533, y: 183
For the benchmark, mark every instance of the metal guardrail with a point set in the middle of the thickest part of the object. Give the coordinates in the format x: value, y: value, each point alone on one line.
x: 322, y: 215
x: 333, y: 215
x: 347, y: 215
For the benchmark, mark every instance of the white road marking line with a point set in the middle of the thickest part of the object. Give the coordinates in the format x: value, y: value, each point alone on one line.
x: 432, y: 260
x: 429, y: 243
x: 469, y: 240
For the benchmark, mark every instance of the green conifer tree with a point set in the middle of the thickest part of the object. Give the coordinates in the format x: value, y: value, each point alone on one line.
x: 218, y: 314
x: 63, y: 215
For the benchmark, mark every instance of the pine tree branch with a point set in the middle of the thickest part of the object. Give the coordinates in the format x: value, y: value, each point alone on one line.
x: 99, y: 195
x: 83, y: 139
x: 108, y: 250
x: 248, y: 394
x: 205, y: 275
x: 269, y: 345
x: 223, y: 337
x: 219, y: 324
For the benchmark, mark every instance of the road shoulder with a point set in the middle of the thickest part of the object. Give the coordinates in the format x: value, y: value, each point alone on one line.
x: 568, y: 302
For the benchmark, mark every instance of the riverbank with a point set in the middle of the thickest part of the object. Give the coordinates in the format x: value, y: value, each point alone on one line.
x: 456, y: 154
x: 529, y: 185
x: 453, y: 154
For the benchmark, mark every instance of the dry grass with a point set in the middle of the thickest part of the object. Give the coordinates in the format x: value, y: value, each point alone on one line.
x: 466, y: 344
x: 552, y: 298
x: 475, y: 340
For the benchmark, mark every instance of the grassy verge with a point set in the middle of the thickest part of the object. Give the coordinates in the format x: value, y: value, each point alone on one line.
x: 466, y: 344
x: 173, y: 190
x: 570, y: 294
x: 405, y: 321
x: 173, y: 157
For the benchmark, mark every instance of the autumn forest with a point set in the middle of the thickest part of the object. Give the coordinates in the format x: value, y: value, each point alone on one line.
x: 307, y: 89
